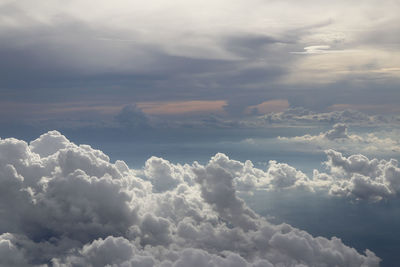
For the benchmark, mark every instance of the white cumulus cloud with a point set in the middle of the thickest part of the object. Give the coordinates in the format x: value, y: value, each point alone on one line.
x: 67, y: 205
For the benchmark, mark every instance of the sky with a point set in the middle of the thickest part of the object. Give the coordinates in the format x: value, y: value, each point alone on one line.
x: 210, y: 127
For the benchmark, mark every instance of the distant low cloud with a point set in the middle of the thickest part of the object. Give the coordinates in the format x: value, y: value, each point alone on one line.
x: 182, y: 107
x: 132, y: 117
x: 339, y: 138
x: 68, y: 205
x: 268, y: 106
x: 301, y: 115
x: 355, y: 177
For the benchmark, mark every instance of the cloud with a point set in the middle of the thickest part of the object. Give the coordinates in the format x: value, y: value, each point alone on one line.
x: 339, y: 138
x: 246, y: 177
x: 132, y: 117
x: 164, y: 175
x: 10, y: 254
x: 315, y: 49
x: 361, y: 178
x: 182, y: 107
x: 49, y: 143
x: 115, y: 55
x: 355, y: 177
x: 121, y: 252
x: 339, y: 131
x: 268, y: 106
x: 68, y: 205
x: 301, y: 115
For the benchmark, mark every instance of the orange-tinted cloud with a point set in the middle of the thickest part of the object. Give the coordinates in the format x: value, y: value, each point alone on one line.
x: 182, y: 107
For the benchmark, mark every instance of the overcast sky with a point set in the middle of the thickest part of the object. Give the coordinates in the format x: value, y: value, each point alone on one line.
x: 86, y: 60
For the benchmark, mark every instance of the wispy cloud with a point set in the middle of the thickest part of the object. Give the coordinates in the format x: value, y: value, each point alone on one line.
x: 182, y: 107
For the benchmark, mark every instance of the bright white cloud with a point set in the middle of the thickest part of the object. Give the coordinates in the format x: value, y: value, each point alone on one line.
x: 315, y: 49
x: 70, y: 206
x: 361, y: 178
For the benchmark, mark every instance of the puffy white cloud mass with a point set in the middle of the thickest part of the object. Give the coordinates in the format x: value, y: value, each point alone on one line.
x: 67, y: 205
x: 358, y: 177
x: 339, y: 138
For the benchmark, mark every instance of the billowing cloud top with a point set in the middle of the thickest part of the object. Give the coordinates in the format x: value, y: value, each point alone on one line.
x: 67, y: 205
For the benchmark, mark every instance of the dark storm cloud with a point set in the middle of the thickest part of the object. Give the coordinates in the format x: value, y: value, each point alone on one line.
x: 70, y: 58
x: 62, y: 55
x: 249, y: 46
x: 67, y: 61
x: 122, y: 53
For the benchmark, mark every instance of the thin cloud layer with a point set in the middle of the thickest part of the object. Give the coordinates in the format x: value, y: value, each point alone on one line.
x: 339, y: 139
x: 67, y: 205
x: 301, y: 115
